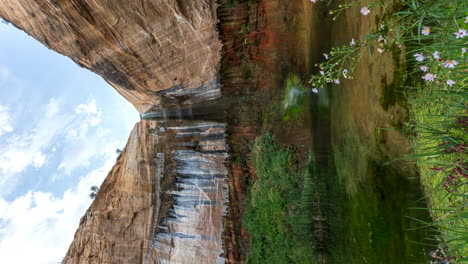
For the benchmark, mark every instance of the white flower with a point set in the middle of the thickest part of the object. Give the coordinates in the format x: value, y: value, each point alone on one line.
x: 424, y: 68
x: 313, y: 1
x: 382, y: 26
x: 322, y: 73
x: 380, y: 50
x: 436, y: 55
x: 336, y: 81
x: 463, y: 50
x: 466, y: 19
x: 461, y: 33
x: 314, y: 90
x: 426, y: 31
x: 450, y: 82
x: 419, y: 56
x: 381, y: 38
x: 450, y: 64
x: 345, y: 74
x: 326, y: 56
x: 352, y: 43
x: 328, y: 80
x: 429, y: 77
x: 365, y: 11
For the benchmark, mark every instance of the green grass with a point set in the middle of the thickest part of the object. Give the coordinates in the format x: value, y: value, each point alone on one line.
x: 430, y: 34
x: 434, y: 113
x: 436, y: 110
x: 278, y: 231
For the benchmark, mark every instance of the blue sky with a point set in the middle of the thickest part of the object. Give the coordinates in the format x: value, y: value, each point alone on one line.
x: 59, y: 128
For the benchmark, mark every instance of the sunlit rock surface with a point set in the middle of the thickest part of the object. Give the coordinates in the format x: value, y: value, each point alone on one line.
x: 139, y: 47
x: 164, y: 200
x: 117, y: 228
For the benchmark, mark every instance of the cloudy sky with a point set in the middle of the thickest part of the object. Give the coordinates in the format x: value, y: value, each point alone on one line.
x: 59, y: 128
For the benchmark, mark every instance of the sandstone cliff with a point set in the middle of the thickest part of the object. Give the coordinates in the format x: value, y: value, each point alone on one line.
x: 164, y: 200
x: 139, y: 47
x: 117, y: 227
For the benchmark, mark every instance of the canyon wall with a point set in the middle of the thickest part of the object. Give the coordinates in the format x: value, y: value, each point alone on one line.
x: 162, y: 202
x: 192, y: 193
x: 117, y: 227
x: 139, y: 47
x: 164, y: 199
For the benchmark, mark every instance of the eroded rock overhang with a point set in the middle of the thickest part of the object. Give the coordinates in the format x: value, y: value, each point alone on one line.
x: 164, y: 200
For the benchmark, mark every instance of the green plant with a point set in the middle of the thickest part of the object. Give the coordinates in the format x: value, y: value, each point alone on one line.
x: 294, y: 97
x: 94, y: 191
x: 272, y: 206
x: 433, y: 36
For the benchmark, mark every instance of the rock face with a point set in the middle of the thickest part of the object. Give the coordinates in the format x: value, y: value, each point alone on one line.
x: 139, y: 47
x: 192, y: 193
x: 164, y: 200
x: 118, y: 225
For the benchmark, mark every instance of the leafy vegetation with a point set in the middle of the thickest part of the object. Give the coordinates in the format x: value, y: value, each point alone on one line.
x: 440, y: 147
x: 433, y: 36
x: 94, y: 191
x: 274, y: 207
x: 294, y: 98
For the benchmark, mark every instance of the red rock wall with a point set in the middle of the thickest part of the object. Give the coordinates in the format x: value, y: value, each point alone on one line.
x: 117, y: 227
x: 139, y: 47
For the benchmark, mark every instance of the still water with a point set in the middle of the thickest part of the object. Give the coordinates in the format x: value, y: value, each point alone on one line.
x: 369, y: 201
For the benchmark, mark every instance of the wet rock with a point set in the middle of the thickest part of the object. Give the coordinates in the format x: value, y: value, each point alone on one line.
x: 190, y: 222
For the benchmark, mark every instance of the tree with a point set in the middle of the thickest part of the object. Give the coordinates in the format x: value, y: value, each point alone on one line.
x: 94, y: 192
x: 118, y: 151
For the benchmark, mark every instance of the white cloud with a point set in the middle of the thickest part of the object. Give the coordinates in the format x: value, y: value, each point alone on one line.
x: 78, y: 131
x: 81, y: 146
x: 38, y: 160
x: 25, y: 149
x: 43, y: 225
x: 80, y: 152
x: 5, y: 119
x: 89, y: 108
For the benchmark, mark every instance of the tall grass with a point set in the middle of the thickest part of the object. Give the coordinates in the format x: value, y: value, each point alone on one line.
x: 433, y: 35
x: 440, y: 150
x: 280, y: 207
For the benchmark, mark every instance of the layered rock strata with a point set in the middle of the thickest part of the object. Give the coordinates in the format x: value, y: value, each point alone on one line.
x: 164, y: 200
x: 117, y: 227
x: 139, y: 47
x: 193, y: 193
